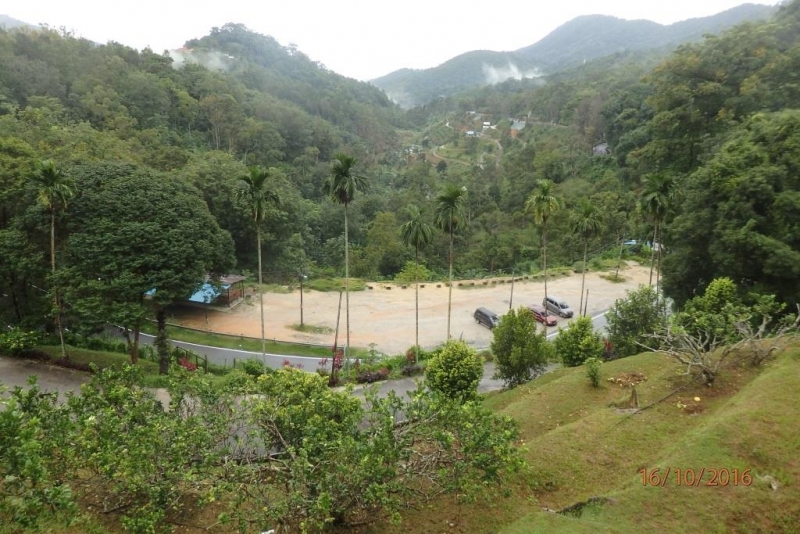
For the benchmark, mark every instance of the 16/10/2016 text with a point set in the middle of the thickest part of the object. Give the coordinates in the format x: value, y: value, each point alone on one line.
x: 696, y: 477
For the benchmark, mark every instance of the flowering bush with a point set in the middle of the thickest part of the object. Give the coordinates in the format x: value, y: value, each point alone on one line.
x: 186, y: 364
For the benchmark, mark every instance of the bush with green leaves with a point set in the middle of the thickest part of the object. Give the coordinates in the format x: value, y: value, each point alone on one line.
x: 520, y: 349
x: 16, y: 342
x: 31, y: 485
x: 141, y: 457
x: 714, y: 314
x: 632, y: 320
x: 578, y: 342
x: 413, y: 273
x: 593, y: 371
x: 455, y: 371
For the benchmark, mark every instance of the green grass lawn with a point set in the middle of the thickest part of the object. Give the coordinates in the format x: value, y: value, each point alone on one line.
x: 103, y: 359
x: 247, y: 343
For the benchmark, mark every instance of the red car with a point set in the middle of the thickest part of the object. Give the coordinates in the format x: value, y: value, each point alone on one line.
x: 542, y: 315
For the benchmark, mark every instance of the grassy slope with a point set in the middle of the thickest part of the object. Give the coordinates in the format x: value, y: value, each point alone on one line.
x: 743, y: 423
x: 579, y: 447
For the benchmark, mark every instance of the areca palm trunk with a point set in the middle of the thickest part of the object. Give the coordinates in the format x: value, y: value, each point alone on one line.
x: 261, y: 300
x: 416, y: 305
x: 653, y: 257
x: 583, y: 279
x: 450, y: 285
x: 55, y: 286
x: 544, y: 255
x: 346, y: 285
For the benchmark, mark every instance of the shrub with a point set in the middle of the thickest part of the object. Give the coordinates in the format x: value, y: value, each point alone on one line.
x: 412, y: 370
x: 520, y: 349
x: 593, y: 371
x: 368, y: 377
x: 411, y: 273
x: 17, y: 342
x: 455, y: 371
x: 633, y: 319
x: 252, y: 367
x: 578, y: 342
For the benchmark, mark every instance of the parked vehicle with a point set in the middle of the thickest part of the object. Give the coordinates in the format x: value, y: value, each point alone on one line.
x: 558, y: 306
x: 542, y: 315
x: 486, y: 317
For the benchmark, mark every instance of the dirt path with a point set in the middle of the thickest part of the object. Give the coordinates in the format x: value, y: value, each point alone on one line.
x: 385, y: 316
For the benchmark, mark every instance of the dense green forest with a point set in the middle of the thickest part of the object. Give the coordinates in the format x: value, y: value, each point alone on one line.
x: 703, y: 152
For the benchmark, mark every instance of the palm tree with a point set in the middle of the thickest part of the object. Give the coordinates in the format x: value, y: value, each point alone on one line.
x: 656, y: 201
x: 418, y: 234
x: 254, y: 193
x: 585, y: 223
x: 449, y: 217
x: 341, y: 187
x: 543, y: 204
x: 54, y: 191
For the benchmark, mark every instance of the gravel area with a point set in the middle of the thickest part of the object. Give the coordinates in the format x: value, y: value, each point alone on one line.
x: 384, y: 315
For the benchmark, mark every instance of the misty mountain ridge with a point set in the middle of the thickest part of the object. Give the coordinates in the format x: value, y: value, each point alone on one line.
x: 582, y: 39
x: 7, y: 23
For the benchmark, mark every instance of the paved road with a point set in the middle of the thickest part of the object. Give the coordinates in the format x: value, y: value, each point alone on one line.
x: 15, y: 372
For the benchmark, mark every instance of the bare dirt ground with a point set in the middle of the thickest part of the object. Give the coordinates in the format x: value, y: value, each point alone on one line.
x: 385, y: 316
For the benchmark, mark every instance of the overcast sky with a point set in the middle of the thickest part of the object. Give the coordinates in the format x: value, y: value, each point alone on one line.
x: 362, y: 39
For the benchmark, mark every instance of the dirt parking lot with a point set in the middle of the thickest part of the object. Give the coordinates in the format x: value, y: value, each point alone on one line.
x: 385, y: 316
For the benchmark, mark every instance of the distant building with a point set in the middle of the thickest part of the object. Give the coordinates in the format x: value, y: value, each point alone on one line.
x: 470, y: 133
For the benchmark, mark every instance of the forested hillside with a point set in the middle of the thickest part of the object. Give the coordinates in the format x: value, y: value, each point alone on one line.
x: 702, y: 158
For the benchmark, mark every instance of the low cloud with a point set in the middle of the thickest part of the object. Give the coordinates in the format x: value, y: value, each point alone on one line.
x: 496, y: 75
x: 210, y: 59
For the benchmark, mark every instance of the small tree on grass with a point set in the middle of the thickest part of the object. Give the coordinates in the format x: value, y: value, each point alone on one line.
x: 633, y: 320
x: 578, y: 342
x: 455, y: 371
x: 593, y: 371
x: 520, y: 350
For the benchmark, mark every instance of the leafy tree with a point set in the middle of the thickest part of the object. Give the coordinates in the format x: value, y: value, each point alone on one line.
x: 413, y: 272
x: 55, y: 189
x: 715, y: 313
x: 455, y: 371
x: 740, y: 216
x: 254, y: 191
x: 578, y: 342
x: 543, y: 203
x: 21, y: 263
x: 586, y: 223
x: 341, y: 187
x: 418, y: 234
x: 137, y: 238
x: 449, y: 217
x: 593, y: 371
x: 520, y: 350
x: 633, y: 320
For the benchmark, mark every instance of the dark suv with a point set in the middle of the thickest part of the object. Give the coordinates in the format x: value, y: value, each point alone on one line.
x: 486, y: 317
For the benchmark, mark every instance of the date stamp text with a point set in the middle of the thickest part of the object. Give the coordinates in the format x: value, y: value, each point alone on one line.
x: 705, y: 476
